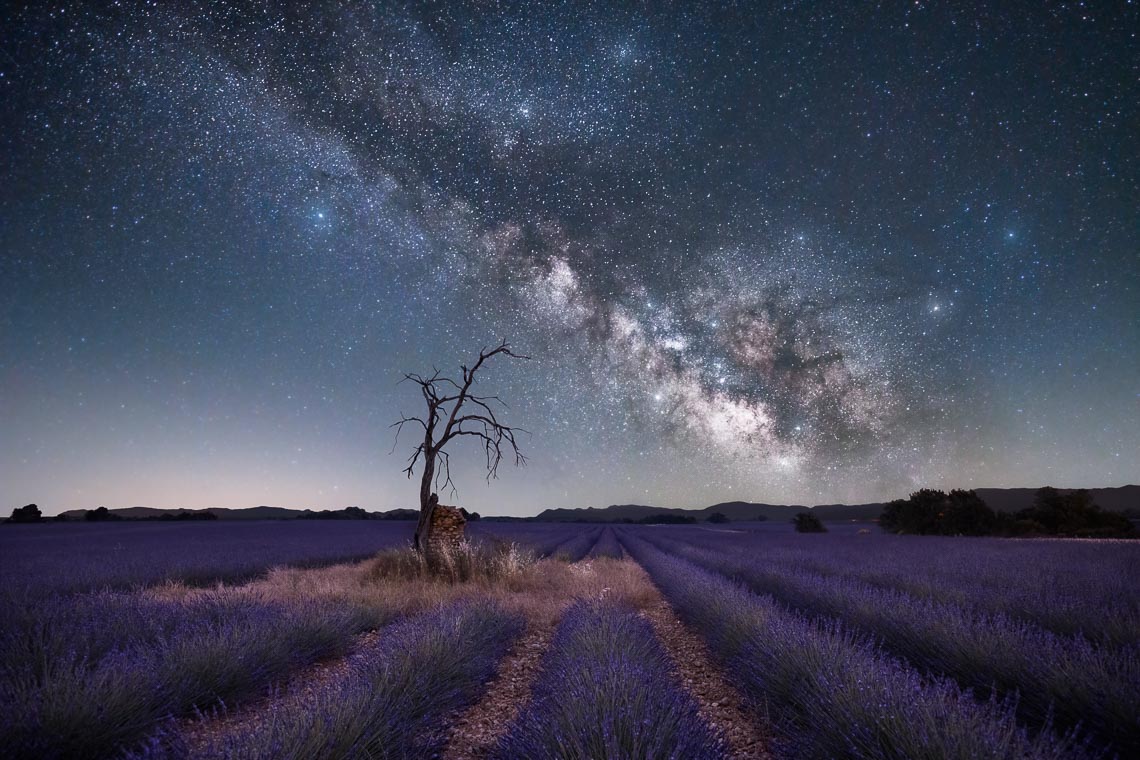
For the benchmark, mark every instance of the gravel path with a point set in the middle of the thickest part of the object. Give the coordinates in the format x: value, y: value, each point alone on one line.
x: 476, y: 731
x: 720, y: 703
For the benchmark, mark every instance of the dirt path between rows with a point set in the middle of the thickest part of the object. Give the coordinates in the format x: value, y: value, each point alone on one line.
x: 477, y: 730
x: 719, y: 701
x: 541, y: 596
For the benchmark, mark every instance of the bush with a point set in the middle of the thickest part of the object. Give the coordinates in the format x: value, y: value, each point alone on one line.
x: 806, y: 522
x: 963, y: 513
x: 830, y: 693
x: 25, y: 514
x: 607, y: 689
x: 718, y: 517
x: 394, y: 697
x: 931, y: 512
x: 1075, y: 514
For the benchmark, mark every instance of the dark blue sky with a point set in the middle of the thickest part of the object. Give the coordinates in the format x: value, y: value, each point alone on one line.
x: 806, y: 252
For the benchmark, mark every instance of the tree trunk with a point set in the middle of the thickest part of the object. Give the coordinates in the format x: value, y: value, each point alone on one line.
x: 427, y: 504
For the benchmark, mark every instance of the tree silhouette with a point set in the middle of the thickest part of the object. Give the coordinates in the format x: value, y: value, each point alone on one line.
x: 806, y: 522
x: 26, y: 514
x: 454, y: 411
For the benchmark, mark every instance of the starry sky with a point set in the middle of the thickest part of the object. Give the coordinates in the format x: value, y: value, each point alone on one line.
x: 784, y: 252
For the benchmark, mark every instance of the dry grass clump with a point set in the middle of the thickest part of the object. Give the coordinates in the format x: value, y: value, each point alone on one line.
x: 397, y: 583
x: 492, y: 562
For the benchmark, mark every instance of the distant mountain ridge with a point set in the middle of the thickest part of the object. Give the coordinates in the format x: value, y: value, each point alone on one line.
x: 737, y: 511
x: 227, y: 513
x: 1119, y: 499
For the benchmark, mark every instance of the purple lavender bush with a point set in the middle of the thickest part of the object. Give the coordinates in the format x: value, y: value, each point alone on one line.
x: 1060, y: 679
x: 1083, y: 588
x: 576, y: 546
x: 40, y: 559
x: 606, y: 691
x: 392, y: 702
x: 544, y: 539
x: 607, y: 545
x: 93, y: 675
x: 830, y: 693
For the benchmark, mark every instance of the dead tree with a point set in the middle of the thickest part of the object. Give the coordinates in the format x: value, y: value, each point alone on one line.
x: 454, y: 411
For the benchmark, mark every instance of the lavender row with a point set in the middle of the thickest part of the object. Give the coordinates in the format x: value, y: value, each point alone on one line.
x: 1070, y: 587
x: 1059, y: 678
x: 576, y: 547
x: 830, y: 693
x: 90, y: 677
x: 544, y: 539
x: 36, y: 560
x: 392, y: 701
x: 606, y: 690
x: 1066, y: 613
x: 607, y: 545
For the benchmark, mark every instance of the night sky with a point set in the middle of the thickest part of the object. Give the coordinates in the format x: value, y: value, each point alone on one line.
x: 793, y: 253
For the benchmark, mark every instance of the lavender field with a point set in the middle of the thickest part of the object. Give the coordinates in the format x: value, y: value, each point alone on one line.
x: 289, y: 640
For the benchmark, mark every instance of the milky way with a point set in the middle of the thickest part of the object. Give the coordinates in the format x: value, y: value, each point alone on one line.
x: 795, y: 254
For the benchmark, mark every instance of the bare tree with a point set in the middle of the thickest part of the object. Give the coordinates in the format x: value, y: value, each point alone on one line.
x: 453, y: 410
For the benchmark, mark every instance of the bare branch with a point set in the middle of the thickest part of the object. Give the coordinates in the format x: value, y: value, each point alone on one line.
x: 453, y: 411
x: 445, y: 459
x: 413, y: 459
x: 399, y: 425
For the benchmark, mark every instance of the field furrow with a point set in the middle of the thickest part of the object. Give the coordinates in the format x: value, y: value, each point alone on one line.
x: 389, y: 704
x: 1060, y: 679
x: 477, y: 730
x: 720, y: 703
x: 1073, y: 589
x: 606, y: 689
x: 81, y: 696
x: 831, y: 694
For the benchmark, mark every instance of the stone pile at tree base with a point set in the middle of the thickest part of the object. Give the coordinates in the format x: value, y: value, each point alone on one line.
x: 447, y: 524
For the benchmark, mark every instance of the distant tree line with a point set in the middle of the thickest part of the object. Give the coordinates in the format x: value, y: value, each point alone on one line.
x: 964, y: 513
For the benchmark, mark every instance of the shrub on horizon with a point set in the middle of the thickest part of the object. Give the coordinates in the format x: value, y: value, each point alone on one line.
x: 806, y: 522
x: 932, y: 512
x: 963, y: 513
x: 29, y: 513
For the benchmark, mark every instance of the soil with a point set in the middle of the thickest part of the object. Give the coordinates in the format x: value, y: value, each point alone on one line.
x: 720, y: 703
x: 476, y: 731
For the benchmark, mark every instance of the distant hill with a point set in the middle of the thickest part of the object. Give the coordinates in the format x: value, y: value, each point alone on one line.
x: 1121, y: 499
x: 1000, y: 499
x: 838, y: 512
x: 226, y: 513
x: 734, y: 510
x: 737, y: 511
